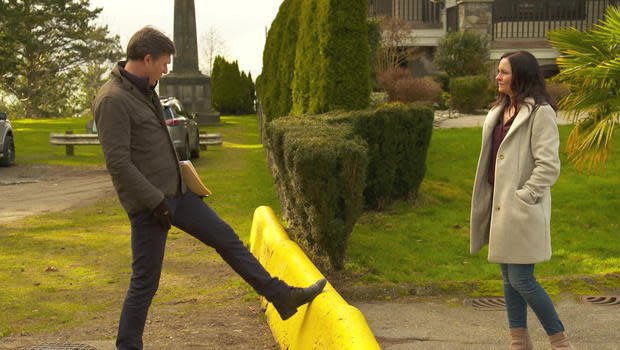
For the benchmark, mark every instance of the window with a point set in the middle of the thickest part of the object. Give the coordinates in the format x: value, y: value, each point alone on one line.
x: 540, y: 10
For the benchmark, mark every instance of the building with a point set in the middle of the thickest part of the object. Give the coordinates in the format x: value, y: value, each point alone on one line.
x: 509, y: 24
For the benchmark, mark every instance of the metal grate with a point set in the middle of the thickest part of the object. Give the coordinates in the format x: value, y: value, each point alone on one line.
x: 486, y: 303
x: 58, y: 347
x: 603, y: 300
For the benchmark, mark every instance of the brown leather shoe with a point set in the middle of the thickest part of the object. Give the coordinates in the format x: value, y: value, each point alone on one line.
x: 298, y: 296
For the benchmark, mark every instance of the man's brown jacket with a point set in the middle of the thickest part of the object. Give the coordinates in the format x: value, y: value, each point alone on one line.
x: 136, y: 144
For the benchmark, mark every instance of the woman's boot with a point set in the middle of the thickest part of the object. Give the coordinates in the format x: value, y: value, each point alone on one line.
x: 520, y: 339
x: 560, y: 341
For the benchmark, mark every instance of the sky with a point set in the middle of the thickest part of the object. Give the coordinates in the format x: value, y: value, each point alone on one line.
x: 241, y: 24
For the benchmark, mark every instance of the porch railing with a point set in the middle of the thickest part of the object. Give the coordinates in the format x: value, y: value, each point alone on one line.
x: 420, y: 11
x: 525, y: 19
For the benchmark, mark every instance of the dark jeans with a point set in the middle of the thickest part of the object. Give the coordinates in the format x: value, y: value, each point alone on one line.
x: 520, y: 290
x: 148, y: 242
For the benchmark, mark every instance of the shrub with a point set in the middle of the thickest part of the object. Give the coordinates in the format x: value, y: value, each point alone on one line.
x: 327, y: 167
x: 398, y: 138
x: 402, y: 87
x: 468, y: 93
x: 462, y: 53
x: 557, y: 91
x: 320, y: 171
x: 444, y: 80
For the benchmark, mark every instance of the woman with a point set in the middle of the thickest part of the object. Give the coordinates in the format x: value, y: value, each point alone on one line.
x: 511, y: 202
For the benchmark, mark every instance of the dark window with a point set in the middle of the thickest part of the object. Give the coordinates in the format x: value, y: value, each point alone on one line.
x: 542, y: 10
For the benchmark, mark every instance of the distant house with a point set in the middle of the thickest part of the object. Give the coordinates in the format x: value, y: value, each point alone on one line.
x: 510, y: 24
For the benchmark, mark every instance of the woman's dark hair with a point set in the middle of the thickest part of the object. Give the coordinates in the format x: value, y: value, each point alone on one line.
x: 149, y: 41
x: 527, y: 80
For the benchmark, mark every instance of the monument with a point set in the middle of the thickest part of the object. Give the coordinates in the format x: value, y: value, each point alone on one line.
x: 185, y: 82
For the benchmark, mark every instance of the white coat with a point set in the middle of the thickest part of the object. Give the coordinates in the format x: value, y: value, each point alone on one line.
x: 514, y: 217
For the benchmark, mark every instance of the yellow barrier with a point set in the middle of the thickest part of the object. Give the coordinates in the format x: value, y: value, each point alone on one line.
x: 326, y: 323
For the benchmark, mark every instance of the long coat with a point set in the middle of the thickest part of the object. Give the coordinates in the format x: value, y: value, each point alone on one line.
x: 513, y: 217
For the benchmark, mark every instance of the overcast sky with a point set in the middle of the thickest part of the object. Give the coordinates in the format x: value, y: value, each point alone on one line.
x: 240, y: 23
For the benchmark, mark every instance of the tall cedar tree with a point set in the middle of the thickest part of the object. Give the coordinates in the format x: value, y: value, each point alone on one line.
x: 233, y: 91
x: 47, y: 47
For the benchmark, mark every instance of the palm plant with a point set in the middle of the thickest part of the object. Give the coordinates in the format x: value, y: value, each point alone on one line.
x: 590, y: 66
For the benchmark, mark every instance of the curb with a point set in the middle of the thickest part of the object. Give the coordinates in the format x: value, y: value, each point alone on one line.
x: 328, y: 322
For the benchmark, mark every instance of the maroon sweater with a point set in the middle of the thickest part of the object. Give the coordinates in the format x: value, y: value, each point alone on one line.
x: 499, y: 133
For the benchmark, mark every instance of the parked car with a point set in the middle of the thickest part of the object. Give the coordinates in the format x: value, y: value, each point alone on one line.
x: 182, y: 127
x: 7, y: 144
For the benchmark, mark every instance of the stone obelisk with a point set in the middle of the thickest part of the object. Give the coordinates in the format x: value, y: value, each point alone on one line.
x: 185, y: 82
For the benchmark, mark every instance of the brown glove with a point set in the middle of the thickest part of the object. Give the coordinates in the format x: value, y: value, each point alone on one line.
x: 162, y: 214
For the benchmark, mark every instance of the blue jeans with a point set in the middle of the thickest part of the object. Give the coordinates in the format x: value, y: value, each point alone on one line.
x: 520, y: 290
x: 148, y: 242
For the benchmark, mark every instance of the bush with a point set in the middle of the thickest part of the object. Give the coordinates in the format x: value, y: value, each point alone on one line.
x: 398, y: 137
x: 468, y: 93
x: 402, y: 87
x: 462, y: 53
x: 444, y: 80
x: 320, y: 171
x: 557, y: 91
x: 327, y: 167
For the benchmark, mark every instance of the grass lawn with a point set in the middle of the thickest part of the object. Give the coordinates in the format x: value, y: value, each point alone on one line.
x: 89, y: 248
x: 428, y: 240
x: 419, y: 241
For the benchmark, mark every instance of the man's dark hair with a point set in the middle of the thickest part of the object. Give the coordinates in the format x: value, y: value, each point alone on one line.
x: 149, y: 40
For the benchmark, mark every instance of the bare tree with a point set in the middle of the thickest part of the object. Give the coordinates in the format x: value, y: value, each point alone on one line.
x: 212, y: 45
x: 396, y: 45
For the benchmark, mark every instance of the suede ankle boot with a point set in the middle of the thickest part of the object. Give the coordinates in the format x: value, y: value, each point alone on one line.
x: 520, y: 339
x: 560, y: 341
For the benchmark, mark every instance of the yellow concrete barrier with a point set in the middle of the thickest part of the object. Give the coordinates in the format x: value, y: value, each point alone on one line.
x: 326, y: 323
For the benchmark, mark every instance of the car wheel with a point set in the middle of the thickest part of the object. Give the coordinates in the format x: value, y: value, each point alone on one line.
x: 9, y: 152
x: 184, y: 152
x: 196, y: 150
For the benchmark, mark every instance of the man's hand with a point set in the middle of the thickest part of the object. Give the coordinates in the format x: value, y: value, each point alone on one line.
x: 162, y: 213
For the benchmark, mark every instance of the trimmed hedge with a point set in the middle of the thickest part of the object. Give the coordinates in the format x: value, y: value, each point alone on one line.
x: 398, y: 138
x: 316, y: 58
x: 320, y: 171
x: 327, y: 167
x: 468, y: 93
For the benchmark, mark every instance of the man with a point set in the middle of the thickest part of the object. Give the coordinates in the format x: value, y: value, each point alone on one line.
x: 145, y: 171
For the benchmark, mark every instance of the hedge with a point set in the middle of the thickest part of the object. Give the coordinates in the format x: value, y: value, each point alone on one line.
x: 320, y: 171
x: 468, y: 93
x: 328, y: 167
x: 398, y: 138
x: 316, y: 58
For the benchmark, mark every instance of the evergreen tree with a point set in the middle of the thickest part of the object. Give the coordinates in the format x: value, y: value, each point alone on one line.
x: 47, y: 47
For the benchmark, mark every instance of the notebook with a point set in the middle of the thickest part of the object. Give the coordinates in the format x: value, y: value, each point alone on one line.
x: 192, y: 180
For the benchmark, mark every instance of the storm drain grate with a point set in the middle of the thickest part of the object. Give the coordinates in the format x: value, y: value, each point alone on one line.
x: 486, y: 303
x: 58, y: 347
x: 601, y: 299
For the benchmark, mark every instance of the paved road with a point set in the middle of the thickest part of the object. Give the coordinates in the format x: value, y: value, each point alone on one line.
x: 431, y: 324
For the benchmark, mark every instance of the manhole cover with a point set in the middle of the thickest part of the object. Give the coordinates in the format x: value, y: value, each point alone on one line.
x: 486, y: 303
x: 600, y: 299
x: 58, y: 347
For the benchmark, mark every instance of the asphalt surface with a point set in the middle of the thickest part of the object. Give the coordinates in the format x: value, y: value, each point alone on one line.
x: 433, y: 324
